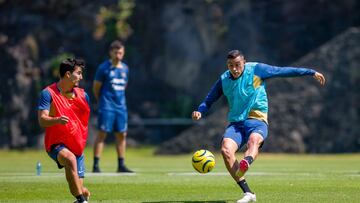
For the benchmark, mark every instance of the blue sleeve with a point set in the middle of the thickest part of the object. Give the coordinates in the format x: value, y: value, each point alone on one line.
x: 215, y: 93
x: 45, y: 100
x: 127, y: 74
x: 265, y: 71
x: 99, y: 75
x: 87, y: 98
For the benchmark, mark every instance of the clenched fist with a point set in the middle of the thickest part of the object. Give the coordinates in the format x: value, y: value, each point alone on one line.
x: 196, y: 115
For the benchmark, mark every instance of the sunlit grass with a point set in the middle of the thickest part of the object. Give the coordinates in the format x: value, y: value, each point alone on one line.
x: 274, y: 178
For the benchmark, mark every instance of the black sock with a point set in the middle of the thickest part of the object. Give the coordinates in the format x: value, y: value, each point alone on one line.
x: 249, y: 159
x: 120, y: 162
x: 80, y: 198
x: 244, y: 186
x: 96, y: 162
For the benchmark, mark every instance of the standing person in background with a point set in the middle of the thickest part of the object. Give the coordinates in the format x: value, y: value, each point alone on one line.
x: 109, y: 86
x: 64, y: 111
x: 243, y: 85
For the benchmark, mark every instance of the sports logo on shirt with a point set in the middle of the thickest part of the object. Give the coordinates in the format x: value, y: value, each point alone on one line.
x: 118, y: 84
x: 112, y: 73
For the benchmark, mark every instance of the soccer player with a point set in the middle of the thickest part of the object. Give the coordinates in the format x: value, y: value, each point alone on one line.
x: 109, y: 86
x: 243, y: 85
x: 64, y: 111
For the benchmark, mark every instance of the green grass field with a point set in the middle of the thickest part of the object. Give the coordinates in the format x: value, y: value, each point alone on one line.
x: 274, y: 178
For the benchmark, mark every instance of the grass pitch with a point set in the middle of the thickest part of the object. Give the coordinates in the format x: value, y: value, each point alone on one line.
x: 159, y: 179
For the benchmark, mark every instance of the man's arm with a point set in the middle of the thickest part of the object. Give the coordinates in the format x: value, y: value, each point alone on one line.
x: 46, y: 121
x: 265, y: 71
x: 96, y: 89
x: 98, y: 80
x: 43, y: 111
x: 214, y: 94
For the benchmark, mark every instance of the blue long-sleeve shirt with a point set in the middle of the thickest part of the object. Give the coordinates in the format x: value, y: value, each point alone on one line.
x: 261, y: 72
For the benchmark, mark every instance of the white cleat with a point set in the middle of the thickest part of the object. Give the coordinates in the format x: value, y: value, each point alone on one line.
x: 248, y: 197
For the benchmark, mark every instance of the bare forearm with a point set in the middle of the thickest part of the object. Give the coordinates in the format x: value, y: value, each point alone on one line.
x: 96, y: 95
x: 47, y: 121
x: 96, y: 90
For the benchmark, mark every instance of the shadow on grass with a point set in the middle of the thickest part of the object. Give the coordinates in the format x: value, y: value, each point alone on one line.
x: 217, y: 201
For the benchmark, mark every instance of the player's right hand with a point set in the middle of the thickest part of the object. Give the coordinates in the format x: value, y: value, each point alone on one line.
x: 196, y: 115
x: 63, y: 120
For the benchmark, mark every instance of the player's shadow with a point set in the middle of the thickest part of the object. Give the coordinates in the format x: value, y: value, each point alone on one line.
x: 218, y: 201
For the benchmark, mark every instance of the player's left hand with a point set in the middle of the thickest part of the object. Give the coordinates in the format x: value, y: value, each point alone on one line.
x: 196, y: 115
x: 320, y: 78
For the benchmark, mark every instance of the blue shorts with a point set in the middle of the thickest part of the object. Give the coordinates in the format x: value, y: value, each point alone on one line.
x: 79, y: 159
x: 109, y: 121
x: 241, y: 131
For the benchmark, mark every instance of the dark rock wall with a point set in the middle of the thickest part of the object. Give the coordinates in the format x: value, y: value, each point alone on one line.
x: 303, y: 116
x: 175, y: 49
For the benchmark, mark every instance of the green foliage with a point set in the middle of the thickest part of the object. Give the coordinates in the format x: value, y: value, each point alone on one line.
x: 32, y: 46
x: 112, y: 21
x: 55, y: 63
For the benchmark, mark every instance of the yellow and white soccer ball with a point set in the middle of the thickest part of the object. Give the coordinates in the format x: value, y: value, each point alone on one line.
x: 203, y: 161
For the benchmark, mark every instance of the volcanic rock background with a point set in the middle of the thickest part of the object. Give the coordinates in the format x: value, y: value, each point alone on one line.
x: 303, y: 116
x: 176, y: 50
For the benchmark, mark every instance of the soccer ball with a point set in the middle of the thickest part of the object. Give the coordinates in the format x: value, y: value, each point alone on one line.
x: 203, y: 161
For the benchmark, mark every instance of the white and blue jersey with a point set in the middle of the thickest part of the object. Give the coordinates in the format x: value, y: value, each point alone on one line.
x: 112, y: 111
x: 114, y: 81
x: 246, y: 95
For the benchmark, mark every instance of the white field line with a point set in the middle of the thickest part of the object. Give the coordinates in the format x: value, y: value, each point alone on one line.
x: 107, y: 174
x: 260, y: 174
x: 60, y: 174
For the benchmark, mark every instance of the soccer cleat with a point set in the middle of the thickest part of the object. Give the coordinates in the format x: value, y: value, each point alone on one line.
x: 248, y: 197
x: 96, y: 170
x: 243, y: 167
x: 124, y: 169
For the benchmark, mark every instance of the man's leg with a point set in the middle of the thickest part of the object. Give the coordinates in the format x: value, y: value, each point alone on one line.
x: 253, y: 145
x: 250, y: 155
x: 81, y: 173
x: 67, y: 159
x: 120, y: 149
x: 228, y: 150
x: 98, y: 148
x: 85, y: 191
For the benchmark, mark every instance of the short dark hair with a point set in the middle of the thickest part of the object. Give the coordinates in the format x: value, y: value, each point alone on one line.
x: 117, y: 44
x: 69, y: 65
x: 234, y: 53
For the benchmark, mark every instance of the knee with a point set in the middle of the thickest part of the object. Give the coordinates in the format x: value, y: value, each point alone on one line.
x: 251, y: 143
x: 70, y: 161
x: 101, y: 136
x: 121, y: 136
x: 226, y: 152
x: 254, y: 142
